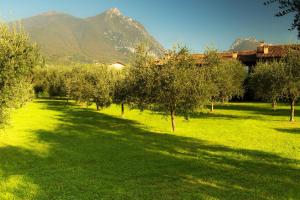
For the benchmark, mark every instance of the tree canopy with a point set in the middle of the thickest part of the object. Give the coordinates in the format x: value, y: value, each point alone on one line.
x: 18, y: 57
x: 267, y: 81
x: 179, y: 86
x: 226, y: 78
x: 279, y: 79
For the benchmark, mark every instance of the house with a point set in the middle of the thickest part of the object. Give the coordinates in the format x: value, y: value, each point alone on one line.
x: 118, y: 65
x: 250, y: 58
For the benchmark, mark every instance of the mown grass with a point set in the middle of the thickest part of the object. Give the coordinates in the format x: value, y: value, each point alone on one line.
x: 241, y: 151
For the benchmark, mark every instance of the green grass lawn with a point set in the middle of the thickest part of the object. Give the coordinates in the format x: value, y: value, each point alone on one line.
x: 241, y: 151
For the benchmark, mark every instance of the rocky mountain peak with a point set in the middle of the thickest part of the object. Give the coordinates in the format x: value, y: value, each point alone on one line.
x: 243, y: 44
x: 114, y: 11
x: 107, y: 37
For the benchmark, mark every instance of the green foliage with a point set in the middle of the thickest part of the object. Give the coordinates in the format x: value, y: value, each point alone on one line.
x: 211, y: 57
x: 232, y: 75
x: 225, y: 77
x: 83, y: 83
x: 57, y: 86
x: 279, y: 79
x: 17, y: 60
x: 91, y: 84
x: 40, y: 81
x: 51, y: 81
x: 178, y: 85
x: 140, y: 78
x: 267, y: 79
x: 291, y: 83
x: 292, y: 74
x: 121, y: 88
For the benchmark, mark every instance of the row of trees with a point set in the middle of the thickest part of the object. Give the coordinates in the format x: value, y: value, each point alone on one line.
x: 173, y: 86
x: 279, y: 80
x: 18, y: 58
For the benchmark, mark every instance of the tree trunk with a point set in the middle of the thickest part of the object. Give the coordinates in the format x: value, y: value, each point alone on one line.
x: 223, y: 100
x: 173, y: 120
x: 274, y: 105
x: 122, y: 109
x: 67, y: 102
x: 186, y: 117
x: 97, y: 106
x: 292, y: 119
x: 212, y: 107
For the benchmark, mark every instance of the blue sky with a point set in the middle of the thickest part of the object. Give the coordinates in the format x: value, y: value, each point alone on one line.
x: 194, y: 23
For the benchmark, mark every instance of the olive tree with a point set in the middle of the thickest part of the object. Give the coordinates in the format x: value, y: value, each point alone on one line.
x: 280, y: 79
x: 51, y: 81
x: 232, y: 75
x: 267, y: 81
x: 103, y: 86
x: 75, y: 84
x: 178, y: 85
x: 18, y: 57
x: 91, y: 84
x: 40, y: 81
x: 140, y: 77
x: 56, y: 81
x: 291, y: 81
x: 121, y: 88
x: 226, y: 77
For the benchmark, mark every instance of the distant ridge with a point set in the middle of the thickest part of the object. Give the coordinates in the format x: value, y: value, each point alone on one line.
x: 50, y: 13
x: 104, y: 38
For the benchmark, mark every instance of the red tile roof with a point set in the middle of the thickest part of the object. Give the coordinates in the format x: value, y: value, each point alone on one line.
x: 275, y: 51
x: 271, y: 51
x: 247, y: 57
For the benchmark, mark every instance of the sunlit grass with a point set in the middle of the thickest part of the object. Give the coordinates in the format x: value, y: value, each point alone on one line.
x: 241, y: 151
x: 247, y: 125
x: 20, y: 130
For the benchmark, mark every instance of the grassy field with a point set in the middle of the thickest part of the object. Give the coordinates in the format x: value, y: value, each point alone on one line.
x: 241, y: 151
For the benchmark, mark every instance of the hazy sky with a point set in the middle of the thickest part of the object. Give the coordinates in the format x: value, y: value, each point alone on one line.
x: 195, y: 23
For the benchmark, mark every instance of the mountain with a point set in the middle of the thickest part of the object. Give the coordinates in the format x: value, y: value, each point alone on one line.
x: 107, y: 37
x: 244, y: 44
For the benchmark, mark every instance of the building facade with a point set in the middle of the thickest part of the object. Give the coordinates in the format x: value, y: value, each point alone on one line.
x: 263, y: 53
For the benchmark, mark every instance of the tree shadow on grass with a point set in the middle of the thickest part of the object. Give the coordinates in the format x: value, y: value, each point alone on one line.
x: 219, y: 115
x: 213, y: 115
x: 289, y: 130
x: 252, y: 112
x: 260, y: 110
x: 97, y: 156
